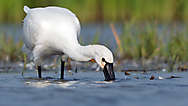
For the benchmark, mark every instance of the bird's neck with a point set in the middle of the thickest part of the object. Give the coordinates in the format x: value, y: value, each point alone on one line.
x: 82, y: 53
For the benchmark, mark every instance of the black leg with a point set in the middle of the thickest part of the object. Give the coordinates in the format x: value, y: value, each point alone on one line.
x: 62, y: 69
x: 39, y: 72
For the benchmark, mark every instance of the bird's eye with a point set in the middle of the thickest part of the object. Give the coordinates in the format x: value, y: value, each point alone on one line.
x: 103, y: 60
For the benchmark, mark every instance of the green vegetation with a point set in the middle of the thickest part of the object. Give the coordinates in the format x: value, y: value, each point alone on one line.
x: 10, y: 50
x: 104, y: 10
x: 145, y: 42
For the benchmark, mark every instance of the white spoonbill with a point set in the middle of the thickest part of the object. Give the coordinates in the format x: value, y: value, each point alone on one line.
x: 54, y: 31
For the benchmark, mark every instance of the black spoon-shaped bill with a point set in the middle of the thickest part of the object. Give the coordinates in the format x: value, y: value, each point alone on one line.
x: 109, y: 72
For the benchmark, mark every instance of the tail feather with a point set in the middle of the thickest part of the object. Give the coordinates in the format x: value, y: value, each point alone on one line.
x: 26, y: 9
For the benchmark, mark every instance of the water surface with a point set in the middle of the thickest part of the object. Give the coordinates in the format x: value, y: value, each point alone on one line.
x: 88, y: 88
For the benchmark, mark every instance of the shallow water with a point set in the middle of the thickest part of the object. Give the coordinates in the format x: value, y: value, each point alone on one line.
x: 88, y: 88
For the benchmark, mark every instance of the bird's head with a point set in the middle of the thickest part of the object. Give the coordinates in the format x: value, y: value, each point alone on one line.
x: 104, y: 57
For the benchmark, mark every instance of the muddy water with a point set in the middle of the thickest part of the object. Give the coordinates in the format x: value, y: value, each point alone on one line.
x: 88, y: 88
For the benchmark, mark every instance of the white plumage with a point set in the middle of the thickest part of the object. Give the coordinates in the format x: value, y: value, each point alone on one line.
x: 53, y: 31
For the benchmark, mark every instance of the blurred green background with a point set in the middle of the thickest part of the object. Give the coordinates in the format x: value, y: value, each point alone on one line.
x: 11, y: 11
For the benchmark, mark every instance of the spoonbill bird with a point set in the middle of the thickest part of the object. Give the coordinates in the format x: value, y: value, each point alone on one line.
x: 54, y: 31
